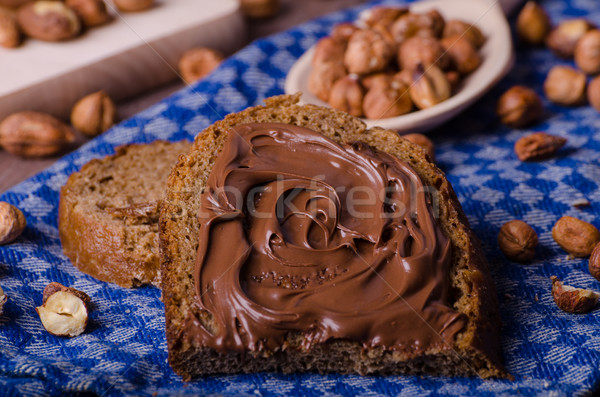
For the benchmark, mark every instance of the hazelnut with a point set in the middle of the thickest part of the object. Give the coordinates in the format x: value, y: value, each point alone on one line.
x: 404, y: 76
x: 387, y: 99
x: 3, y: 299
x: 454, y: 80
x: 463, y: 54
x: 533, y: 24
x: 367, y: 52
x: 517, y: 241
x: 323, y: 76
x: 10, y: 32
x: 594, y: 263
x: 519, y: 107
x: 575, y: 236
x: 344, y: 31
x: 565, y: 86
x: 91, y: 12
x: 94, y: 113
x: 469, y: 31
x: 12, y: 223
x: 538, y: 146
x: 13, y: 3
x: 430, y: 87
x: 573, y: 300
x: 198, y: 62
x: 384, y: 16
x: 422, y: 50
x: 260, y: 8
x: 33, y: 134
x: 410, y: 25
x: 328, y: 49
x: 49, y: 21
x: 347, y: 95
x: 593, y: 93
x: 376, y: 79
x: 587, y: 52
x: 133, y: 5
x: 64, y: 311
x: 423, y: 142
x: 564, y: 37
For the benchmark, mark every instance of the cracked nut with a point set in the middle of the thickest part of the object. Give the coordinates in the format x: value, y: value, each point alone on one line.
x: 564, y: 37
x: 422, y: 50
x: 33, y: 134
x: 462, y: 53
x: 91, y: 12
x: 575, y: 236
x: 424, y: 142
x: 260, y: 8
x: 12, y: 223
x: 385, y: 98
x: 367, y: 52
x: 94, y: 114
x: 538, y: 146
x: 329, y: 49
x: 10, y: 32
x: 323, y: 76
x: 571, y: 299
x: 49, y: 21
x: 565, y: 86
x: 469, y: 31
x: 519, y: 107
x: 593, y: 93
x: 198, y: 62
x: 517, y: 241
x: 587, y: 52
x: 133, y: 5
x: 533, y: 24
x: 64, y: 311
x: 347, y: 95
x: 3, y: 300
x: 429, y: 87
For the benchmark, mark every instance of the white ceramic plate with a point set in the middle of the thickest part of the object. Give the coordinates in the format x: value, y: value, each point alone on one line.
x: 497, y: 54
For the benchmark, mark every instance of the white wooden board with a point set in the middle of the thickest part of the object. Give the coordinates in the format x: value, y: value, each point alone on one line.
x: 132, y: 53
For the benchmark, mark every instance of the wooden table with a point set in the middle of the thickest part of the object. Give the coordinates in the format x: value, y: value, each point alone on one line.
x: 14, y: 169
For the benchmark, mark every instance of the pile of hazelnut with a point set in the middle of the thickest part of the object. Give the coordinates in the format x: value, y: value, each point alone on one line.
x: 52, y: 20
x: 393, y: 60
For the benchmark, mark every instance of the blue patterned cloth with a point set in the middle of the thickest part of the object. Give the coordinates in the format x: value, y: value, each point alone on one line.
x: 124, y: 349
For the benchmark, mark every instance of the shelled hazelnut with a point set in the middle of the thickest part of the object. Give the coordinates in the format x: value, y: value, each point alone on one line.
x: 533, y: 24
x: 519, y: 107
x: 387, y: 99
x: 565, y: 86
x: 344, y: 31
x: 463, y: 54
x: 347, y: 95
x: 517, y: 241
x: 587, y: 52
x: 423, y: 142
x: 571, y: 299
x: 13, y: 3
x: 64, y: 311
x: 329, y: 49
x: 12, y: 223
x: 469, y: 31
x: 382, y: 16
x: 10, y: 32
x: 564, y: 37
x: 323, y: 76
x: 593, y: 93
x: 49, y: 21
x: 133, y: 5
x: 430, y: 24
x: 91, y: 12
x: 594, y: 263
x: 430, y: 87
x: 538, y: 146
x: 3, y: 300
x: 198, y: 62
x: 367, y: 52
x: 257, y: 9
x: 94, y: 113
x: 575, y: 236
x: 422, y: 50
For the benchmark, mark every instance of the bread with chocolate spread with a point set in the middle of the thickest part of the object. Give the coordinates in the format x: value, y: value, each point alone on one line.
x: 295, y: 239
x: 108, y: 215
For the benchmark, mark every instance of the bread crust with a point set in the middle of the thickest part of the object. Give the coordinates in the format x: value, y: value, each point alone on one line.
x: 96, y: 241
x: 476, y: 350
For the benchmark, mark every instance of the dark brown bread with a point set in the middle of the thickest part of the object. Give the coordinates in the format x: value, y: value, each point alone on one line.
x: 108, y: 215
x: 476, y: 350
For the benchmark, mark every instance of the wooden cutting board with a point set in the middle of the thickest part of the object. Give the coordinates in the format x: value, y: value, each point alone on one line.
x: 132, y: 53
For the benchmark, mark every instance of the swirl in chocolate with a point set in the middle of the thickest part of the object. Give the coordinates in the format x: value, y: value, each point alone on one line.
x: 302, y: 235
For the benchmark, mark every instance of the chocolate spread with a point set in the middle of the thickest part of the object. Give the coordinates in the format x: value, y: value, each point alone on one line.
x: 300, y: 234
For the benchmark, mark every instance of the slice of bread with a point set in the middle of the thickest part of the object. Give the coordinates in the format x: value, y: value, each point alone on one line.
x: 108, y: 215
x: 475, y: 351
